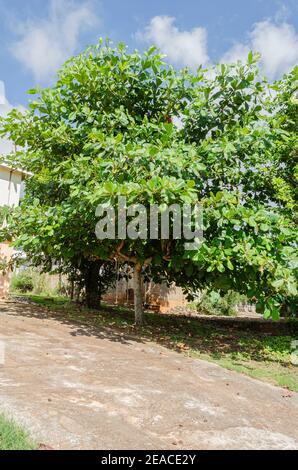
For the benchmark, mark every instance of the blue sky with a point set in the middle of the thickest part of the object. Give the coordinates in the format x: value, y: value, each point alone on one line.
x: 36, y: 36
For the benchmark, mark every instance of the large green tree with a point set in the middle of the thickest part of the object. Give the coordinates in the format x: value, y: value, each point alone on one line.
x: 94, y: 128
x: 246, y: 131
x: 106, y: 130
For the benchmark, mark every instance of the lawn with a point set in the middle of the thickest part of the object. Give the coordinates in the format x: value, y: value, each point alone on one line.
x: 12, y: 437
x: 264, y: 356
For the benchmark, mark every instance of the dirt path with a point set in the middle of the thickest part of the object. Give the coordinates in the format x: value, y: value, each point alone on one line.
x: 77, y: 388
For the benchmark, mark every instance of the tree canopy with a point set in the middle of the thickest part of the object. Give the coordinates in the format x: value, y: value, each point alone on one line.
x: 119, y: 124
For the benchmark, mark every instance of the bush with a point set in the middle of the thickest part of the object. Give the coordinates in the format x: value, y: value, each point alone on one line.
x: 22, y: 282
x: 212, y: 303
x: 31, y: 279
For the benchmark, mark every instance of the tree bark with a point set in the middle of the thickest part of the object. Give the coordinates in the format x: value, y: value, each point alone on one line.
x: 92, y: 285
x: 72, y: 289
x: 138, y: 297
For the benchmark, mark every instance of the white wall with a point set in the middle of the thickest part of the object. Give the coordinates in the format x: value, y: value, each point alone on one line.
x: 10, y: 186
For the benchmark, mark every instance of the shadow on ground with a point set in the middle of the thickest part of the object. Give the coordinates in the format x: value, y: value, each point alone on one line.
x: 256, y: 340
x: 78, y: 326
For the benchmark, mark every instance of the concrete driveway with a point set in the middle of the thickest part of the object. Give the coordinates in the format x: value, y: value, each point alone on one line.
x: 78, y: 388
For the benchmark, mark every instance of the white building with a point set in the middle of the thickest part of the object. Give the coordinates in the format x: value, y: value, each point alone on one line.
x: 11, y: 186
x: 11, y: 189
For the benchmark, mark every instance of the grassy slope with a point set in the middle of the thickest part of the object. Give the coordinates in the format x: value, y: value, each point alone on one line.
x: 259, y: 355
x: 12, y: 437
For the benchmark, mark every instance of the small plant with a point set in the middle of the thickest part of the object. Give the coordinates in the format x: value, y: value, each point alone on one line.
x: 22, y: 282
x: 13, y: 437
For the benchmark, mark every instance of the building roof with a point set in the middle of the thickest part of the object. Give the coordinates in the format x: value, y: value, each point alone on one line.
x: 15, y: 170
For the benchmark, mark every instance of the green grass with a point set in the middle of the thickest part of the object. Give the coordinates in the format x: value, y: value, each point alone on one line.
x: 263, y: 356
x: 285, y: 376
x: 12, y: 437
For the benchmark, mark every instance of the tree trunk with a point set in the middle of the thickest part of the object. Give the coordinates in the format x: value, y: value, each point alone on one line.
x: 138, y: 298
x: 72, y: 289
x: 92, y: 285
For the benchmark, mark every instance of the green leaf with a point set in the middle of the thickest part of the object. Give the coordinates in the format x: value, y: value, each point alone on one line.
x: 250, y: 57
x: 267, y: 313
x: 118, y: 138
x: 151, y: 50
x: 275, y: 313
x: 230, y: 265
x: 278, y: 283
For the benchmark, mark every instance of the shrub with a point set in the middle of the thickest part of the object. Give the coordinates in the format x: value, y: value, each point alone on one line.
x: 212, y: 303
x: 22, y: 282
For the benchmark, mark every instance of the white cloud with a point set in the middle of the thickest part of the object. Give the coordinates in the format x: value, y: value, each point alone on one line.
x: 45, y: 44
x: 277, y: 43
x: 187, y: 48
x: 237, y: 52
